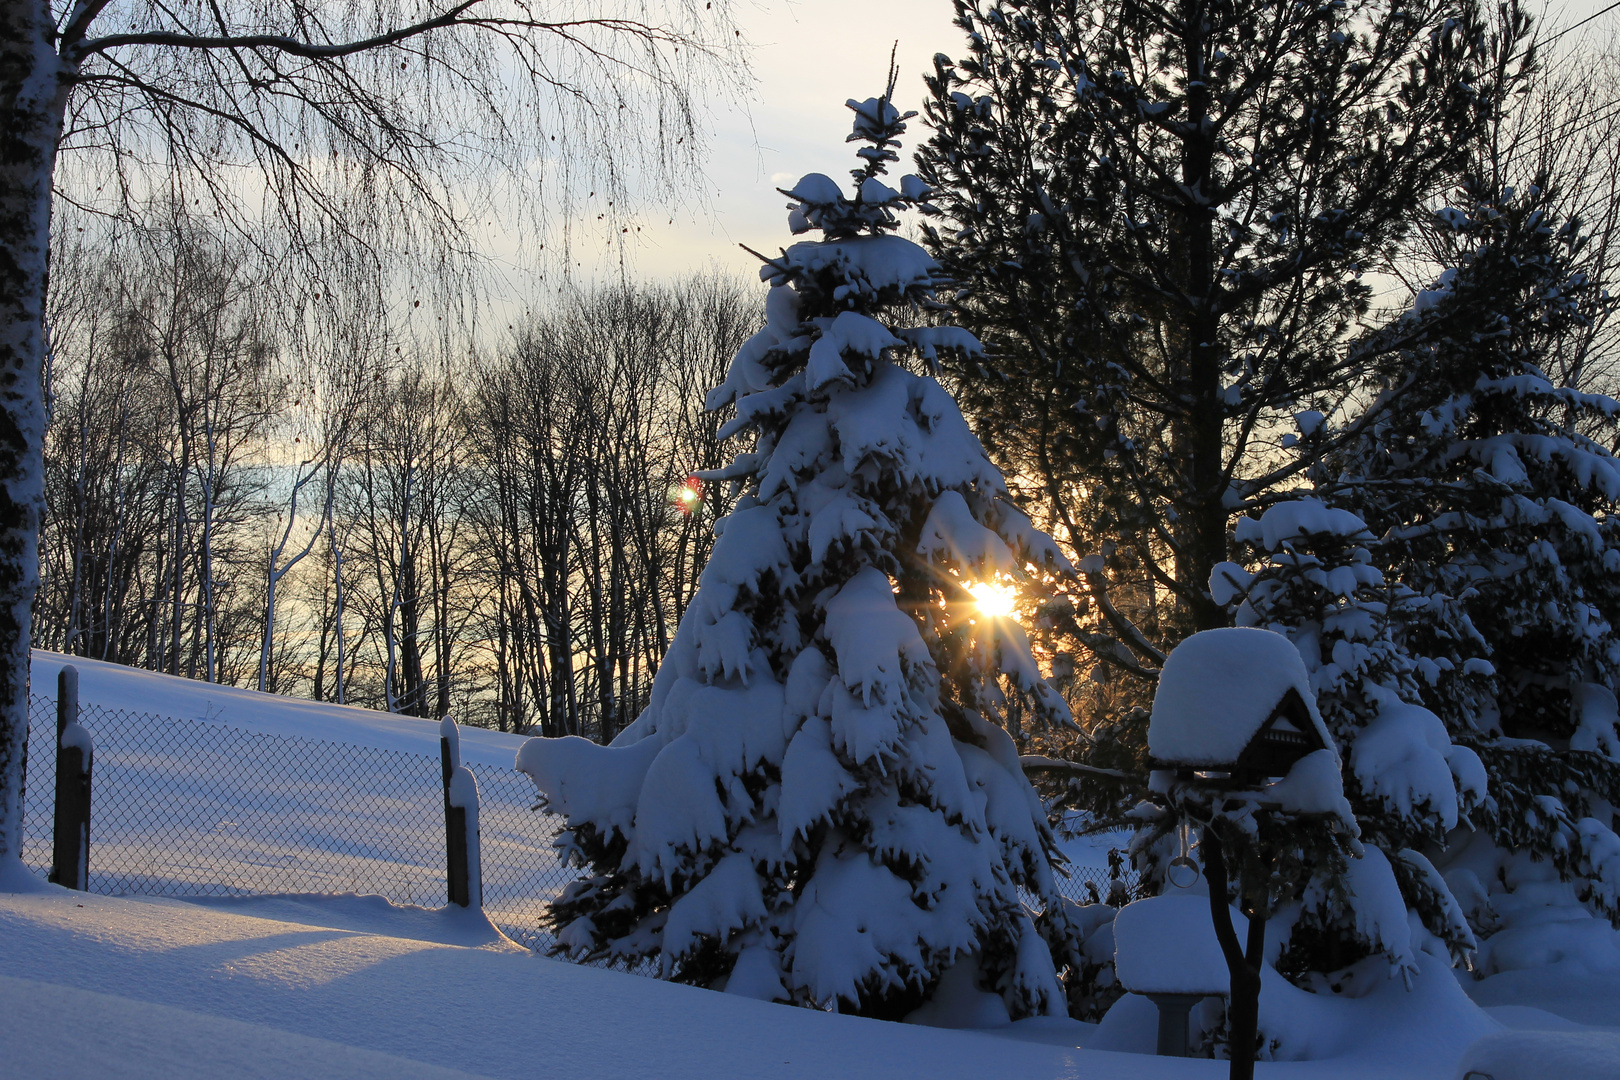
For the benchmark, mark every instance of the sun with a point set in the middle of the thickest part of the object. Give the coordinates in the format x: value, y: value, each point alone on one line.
x: 994, y: 600
x: 687, y: 497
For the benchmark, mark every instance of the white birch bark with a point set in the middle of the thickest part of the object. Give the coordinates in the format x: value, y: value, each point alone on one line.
x: 277, y: 569
x: 32, y: 94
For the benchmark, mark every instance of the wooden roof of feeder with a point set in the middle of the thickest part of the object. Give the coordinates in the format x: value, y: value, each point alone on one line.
x: 1236, y: 700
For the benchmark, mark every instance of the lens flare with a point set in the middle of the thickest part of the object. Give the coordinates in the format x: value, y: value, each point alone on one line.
x: 996, y: 601
x: 687, y: 497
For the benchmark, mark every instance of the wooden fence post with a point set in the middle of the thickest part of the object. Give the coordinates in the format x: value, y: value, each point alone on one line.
x: 463, y: 872
x: 75, y: 753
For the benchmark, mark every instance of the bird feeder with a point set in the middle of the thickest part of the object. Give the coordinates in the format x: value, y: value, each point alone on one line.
x: 1236, y: 702
x: 1233, y: 709
x: 1165, y: 950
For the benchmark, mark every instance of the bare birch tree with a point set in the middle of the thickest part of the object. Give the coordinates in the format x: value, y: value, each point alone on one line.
x: 331, y: 389
x: 163, y: 390
x: 360, y: 125
x: 585, y: 437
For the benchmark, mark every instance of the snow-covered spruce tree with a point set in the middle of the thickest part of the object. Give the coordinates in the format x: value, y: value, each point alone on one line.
x: 1496, y: 493
x: 818, y: 804
x: 1371, y: 648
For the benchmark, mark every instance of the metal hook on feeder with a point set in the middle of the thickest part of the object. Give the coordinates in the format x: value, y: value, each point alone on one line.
x: 1183, y: 862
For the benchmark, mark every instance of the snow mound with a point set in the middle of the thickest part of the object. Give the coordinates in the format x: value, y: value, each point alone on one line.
x: 1538, y: 1055
x: 1418, y: 1027
x: 1568, y: 990
x: 959, y: 1003
x: 17, y: 878
x: 1542, y: 936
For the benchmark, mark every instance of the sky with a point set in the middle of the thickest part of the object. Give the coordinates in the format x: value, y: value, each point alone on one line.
x: 809, y: 57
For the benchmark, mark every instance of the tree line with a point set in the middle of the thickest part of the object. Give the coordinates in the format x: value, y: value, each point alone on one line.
x: 357, y: 516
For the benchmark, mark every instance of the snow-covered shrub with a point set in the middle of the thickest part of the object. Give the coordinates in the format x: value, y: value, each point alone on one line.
x: 1363, y: 640
x: 819, y: 805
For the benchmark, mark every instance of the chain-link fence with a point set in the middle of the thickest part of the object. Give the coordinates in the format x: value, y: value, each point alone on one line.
x: 201, y: 808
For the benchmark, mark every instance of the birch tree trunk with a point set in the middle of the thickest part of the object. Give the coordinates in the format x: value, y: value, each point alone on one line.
x: 337, y: 613
x: 277, y: 568
x: 32, y: 96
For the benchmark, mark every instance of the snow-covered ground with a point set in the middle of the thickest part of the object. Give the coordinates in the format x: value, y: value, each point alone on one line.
x: 317, y: 987
x: 199, y: 790
x: 118, y: 687
x: 339, y: 985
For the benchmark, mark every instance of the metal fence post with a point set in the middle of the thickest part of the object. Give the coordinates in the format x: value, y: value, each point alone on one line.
x: 457, y: 877
x: 75, y: 753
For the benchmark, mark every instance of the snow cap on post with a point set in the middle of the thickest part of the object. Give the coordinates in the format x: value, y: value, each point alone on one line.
x: 452, y: 735
x: 1167, y: 945
x: 1222, y: 690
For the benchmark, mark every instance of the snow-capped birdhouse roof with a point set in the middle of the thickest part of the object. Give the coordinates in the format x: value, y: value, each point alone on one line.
x: 1238, y: 700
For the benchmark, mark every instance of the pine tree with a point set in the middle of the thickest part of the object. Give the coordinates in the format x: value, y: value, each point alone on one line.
x: 1161, y: 219
x: 819, y: 804
x: 1449, y: 581
x: 1496, y: 492
x: 1161, y: 216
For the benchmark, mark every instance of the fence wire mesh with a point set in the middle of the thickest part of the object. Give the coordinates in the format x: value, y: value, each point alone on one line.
x: 190, y: 808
